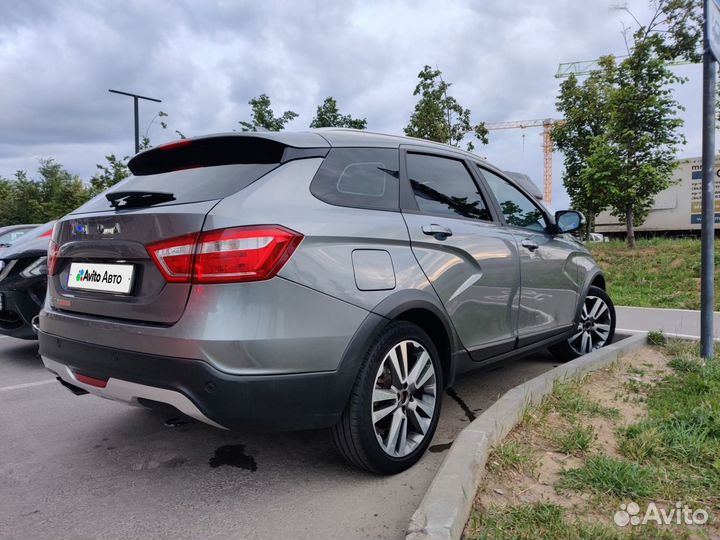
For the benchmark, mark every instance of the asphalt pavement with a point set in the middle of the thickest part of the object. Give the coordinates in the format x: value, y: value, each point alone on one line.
x: 84, y: 467
x: 683, y: 322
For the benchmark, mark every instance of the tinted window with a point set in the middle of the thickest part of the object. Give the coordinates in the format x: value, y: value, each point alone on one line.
x: 518, y: 209
x: 444, y: 186
x: 359, y: 177
x: 191, y: 185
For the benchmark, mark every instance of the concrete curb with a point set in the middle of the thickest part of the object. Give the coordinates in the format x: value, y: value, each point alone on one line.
x: 445, y: 509
x: 669, y: 335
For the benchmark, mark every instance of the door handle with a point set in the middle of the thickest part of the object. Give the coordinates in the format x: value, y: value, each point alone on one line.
x: 529, y: 244
x: 438, y: 231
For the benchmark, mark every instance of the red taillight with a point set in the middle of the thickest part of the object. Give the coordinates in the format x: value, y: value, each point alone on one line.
x: 243, y: 253
x: 46, y: 234
x: 174, y: 257
x: 52, y: 257
x: 226, y: 255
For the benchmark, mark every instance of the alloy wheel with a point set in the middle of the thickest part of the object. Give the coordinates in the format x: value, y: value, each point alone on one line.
x: 404, y: 398
x: 593, y: 330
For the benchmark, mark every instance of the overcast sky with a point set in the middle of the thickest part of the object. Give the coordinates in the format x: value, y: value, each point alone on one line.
x: 205, y: 60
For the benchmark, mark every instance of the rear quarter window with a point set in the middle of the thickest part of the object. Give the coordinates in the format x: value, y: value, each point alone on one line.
x: 360, y: 178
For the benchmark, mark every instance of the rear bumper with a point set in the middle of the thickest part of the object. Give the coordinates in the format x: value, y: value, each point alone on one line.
x: 272, y: 327
x: 263, y: 402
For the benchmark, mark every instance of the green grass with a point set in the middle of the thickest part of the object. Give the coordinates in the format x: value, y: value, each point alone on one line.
x: 608, y: 476
x: 639, y: 445
x: 671, y: 454
x: 659, y: 272
x: 577, y: 439
x: 513, y: 456
x: 656, y: 337
x: 567, y: 400
x: 547, y: 520
x: 632, y: 370
x: 681, y: 433
x: 532, y: 521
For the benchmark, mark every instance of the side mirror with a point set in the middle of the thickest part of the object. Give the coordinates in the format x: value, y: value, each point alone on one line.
x: 568, y: 221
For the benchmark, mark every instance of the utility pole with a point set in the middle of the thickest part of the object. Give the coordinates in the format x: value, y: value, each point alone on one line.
x: 711, y: 52
x: 135, y: 97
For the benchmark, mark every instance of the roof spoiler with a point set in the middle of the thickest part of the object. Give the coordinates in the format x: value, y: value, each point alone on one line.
x: 217, y: 150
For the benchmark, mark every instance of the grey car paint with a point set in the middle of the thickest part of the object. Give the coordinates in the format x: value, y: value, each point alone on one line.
x: 549, y: 284
x: 236, y: 329
x: 373, y: 270
x: 82, y: 238
x: 352, y: 266
x: 475, y: 273
x: 233, y: 326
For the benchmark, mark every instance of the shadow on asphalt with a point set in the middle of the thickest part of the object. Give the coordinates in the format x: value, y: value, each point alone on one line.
x: 144, y: 439
x: 137, y: 467
x: 174, y: 440
x: 21, y: 353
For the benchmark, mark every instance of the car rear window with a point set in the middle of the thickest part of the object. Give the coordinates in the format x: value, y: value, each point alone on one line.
x: 359, y: 177
x: 187, y: 186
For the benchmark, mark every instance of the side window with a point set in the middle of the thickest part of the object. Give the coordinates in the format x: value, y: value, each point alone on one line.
x: 444, y: 186
x: 359, y: 177
x: 515, y: 206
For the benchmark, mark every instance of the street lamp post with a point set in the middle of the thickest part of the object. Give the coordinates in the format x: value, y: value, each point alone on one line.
x: 711, y: 52
x: 135, y: 97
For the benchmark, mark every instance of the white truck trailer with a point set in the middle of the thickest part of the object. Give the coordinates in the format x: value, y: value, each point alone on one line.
x: 675, y: 210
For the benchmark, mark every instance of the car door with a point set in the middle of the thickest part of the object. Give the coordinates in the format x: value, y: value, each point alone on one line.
x: 470, y: 259
x: 548, y: 271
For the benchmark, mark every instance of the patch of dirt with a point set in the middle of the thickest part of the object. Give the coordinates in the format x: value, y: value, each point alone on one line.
x: 605, y: 442
x: 676, y: 263
x: 609, y: 386
x: 622, y: 386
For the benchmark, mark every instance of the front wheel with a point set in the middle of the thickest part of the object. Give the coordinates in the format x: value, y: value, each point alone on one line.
x: 394, y: 406
x: 594, y: 329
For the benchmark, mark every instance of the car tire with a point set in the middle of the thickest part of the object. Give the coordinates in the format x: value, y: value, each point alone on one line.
x: 594, y: 328
x: 394, y: 405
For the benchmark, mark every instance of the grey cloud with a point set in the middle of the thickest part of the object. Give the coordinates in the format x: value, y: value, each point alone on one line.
x: 205, y: 60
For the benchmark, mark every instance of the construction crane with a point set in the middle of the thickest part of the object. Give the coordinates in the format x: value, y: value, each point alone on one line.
x: 586, y: 67
x: 547, y: 124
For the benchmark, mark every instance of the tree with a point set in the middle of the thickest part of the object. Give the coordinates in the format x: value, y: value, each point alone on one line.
x: 680, y: 24
x: 60, y: 191
x: 328, y: 115
x: 54, y: 194
x: 643, y: 129
x: 110, y: 174
x: 620, y: 138
x: 163, y: 124
x: 23, y: 203
x: 586, y: 115
x: 264, y: 117
x: 438, y: 116
x: 6, y: 196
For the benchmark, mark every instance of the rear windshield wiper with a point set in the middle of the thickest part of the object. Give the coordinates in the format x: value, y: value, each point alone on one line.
x: 137, y: 199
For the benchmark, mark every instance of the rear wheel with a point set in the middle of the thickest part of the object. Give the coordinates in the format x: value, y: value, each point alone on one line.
x: 594, y: 329
x: 395, y: 404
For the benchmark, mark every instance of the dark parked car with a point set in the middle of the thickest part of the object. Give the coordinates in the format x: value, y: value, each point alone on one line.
x: 334, y: 278
x: 23, y: 280
x: 11, y: 233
